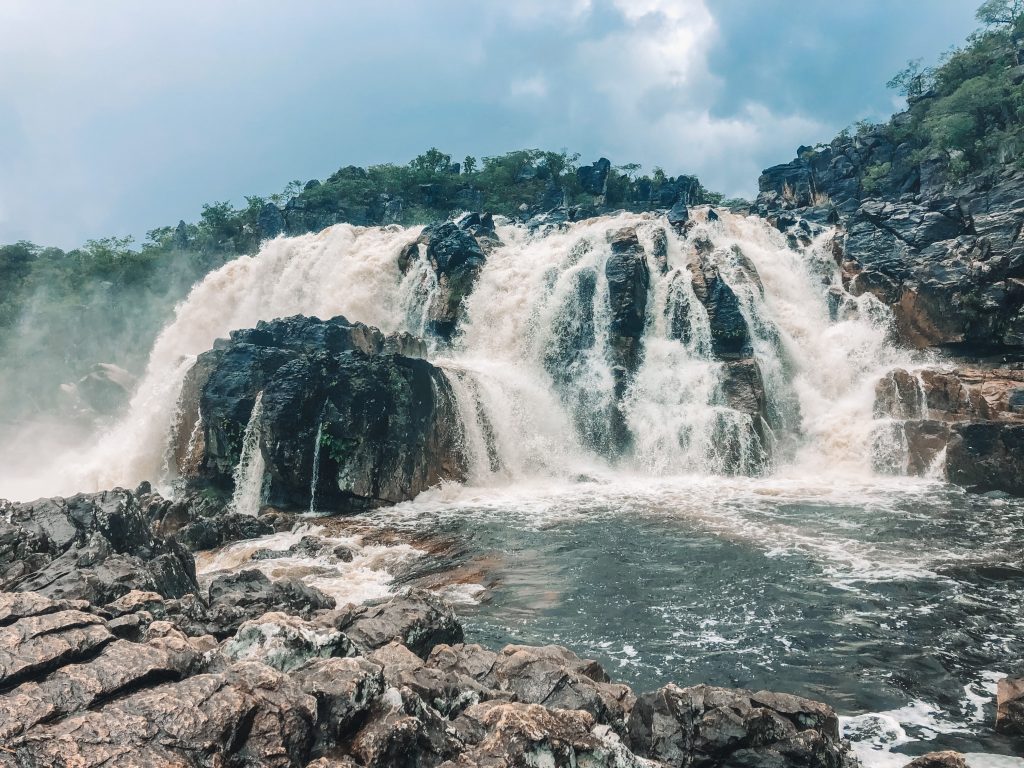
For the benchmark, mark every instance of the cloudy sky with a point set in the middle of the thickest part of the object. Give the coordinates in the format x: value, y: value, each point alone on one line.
x: 117, y: 116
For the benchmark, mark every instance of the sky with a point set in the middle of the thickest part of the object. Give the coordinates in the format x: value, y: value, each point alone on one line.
x: 119, y: 116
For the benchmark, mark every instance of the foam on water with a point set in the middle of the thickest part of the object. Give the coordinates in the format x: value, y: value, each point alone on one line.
x: 366, y: 577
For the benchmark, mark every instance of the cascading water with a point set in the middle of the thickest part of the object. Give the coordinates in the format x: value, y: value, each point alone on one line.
x: 316, y: 466
x: 248, y: 476
x: 533, y: 366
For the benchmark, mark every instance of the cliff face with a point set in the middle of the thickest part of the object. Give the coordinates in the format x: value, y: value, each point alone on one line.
x: 944, y: 253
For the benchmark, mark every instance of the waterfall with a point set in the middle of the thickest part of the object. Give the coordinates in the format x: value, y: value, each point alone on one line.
x: 533, y: 365
x: 316, y: 465
x: 248, y: 476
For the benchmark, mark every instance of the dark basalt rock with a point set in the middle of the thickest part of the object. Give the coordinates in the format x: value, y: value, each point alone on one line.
x: 456, y: 252
x: 387, y: 422
x: 594, y: 178
x: 239, y: 597
x: 987, y: 456
x: 628, y: 279
x: 975, y: 415
x: 709, y: 726
x: 93, y: 547
x: 945, y: 255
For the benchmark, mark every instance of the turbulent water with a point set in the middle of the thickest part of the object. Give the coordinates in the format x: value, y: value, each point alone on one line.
x: 707, y: 550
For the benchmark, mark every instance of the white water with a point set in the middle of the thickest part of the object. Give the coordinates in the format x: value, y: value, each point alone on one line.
x: 316, y: 467
x: 536, y: 294
x: 248, y: 477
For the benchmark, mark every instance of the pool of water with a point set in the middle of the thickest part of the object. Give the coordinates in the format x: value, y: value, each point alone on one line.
x: 899, y: 602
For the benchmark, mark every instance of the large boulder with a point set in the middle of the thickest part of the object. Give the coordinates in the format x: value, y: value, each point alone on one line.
x: 707, y: 726
x: 92, y: 546
x: 337, y: 401
x: 1010, y: 706
x: 456, y: 252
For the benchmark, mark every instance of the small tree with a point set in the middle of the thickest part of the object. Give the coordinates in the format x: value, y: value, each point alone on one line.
x: 913, y: 80
x: 1000, y: 13
x: 469, y: 164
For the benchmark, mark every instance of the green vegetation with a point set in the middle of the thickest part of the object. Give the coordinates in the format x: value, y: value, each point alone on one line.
x: 970, y: 107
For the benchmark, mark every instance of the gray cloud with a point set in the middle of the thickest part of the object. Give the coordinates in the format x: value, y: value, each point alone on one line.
x: 122, y: 116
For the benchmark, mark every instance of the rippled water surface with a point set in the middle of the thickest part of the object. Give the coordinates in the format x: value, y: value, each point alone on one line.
x: 898, y: 602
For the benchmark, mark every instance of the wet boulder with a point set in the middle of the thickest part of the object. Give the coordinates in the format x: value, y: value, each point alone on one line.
x: 987, y: 456
x: 419, y: 620
x: 628, y: 279
x: 238, y: 597
x: 1010, y: 706
x: 710, y: 726
x: 336, y: 402
x: 95, y: 547
x: 285, y: 642
x: 730, y: 337
x: 945, y: 759
x: 456, y: 252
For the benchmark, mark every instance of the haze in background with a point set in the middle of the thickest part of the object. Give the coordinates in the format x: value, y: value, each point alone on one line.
x: 122, y: 116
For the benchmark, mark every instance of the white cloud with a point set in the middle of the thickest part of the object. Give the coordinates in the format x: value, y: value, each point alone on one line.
x: 535, y: 87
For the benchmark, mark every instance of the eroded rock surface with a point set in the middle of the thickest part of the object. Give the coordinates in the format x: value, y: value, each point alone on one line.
x: 287, y: 690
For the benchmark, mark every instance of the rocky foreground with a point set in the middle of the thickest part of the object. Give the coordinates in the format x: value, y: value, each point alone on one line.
x: 111, y: 653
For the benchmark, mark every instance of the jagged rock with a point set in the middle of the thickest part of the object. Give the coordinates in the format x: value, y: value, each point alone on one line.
x: 593, y: 178
x: 285, y: 642
x: 418, y: 620
x: 1010, y: 706
x: 95, y: 547
x: 711, y: 726
x: 119, y: 668
x: 446, y: 690
x: 730, y: 337
x: 939, y: 760
x: 628, y: 280
x: 249, y: 594
x: 250, y: 712
x: 207, y: 533
x: 74, y: 694
x: 556, y: 677
x: 345, y: 690
x: 104, y: 390
x: 456, y: 252
x: 516, y: 735
x: 987, y: 456
x: 387, y: 424
x: 945, y: 256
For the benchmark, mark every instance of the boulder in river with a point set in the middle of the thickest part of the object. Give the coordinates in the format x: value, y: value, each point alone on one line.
x: 338, y: 403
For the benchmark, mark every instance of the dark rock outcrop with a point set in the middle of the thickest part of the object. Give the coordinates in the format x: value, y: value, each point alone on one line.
x: 945, y: 254
x: 969, y: 419
x: 628, y: 279
x: 93, y: 547
x: 456, y: 252
x: 386, y: 422
x: 1010, y: 706
x: 703, y: 725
